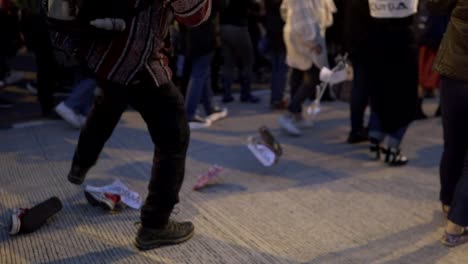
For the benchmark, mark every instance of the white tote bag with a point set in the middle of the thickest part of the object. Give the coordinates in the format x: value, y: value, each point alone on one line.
x: 393, y: 8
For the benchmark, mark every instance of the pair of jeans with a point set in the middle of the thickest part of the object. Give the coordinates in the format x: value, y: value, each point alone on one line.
x: 82, y: 96
x: 237, y: 47
x: 199, y: 88
x: 303, y: 86
x: 163, y: 111
x: 359, y: 97
x: 454, y: 164
x: 376, y: 132
x: 279, y: 72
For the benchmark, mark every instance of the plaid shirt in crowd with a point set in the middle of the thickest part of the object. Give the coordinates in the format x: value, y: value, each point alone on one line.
x: 141, y: 45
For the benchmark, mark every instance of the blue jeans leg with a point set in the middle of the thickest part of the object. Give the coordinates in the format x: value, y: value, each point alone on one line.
x: 279, y: 74
x: 199, y: 84
x: 82, y: 96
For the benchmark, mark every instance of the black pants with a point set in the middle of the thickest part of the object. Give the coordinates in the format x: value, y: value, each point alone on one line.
x: 303, y: 84
x: 359, y: 97
x: 162, y: 108
x: 37, y: 40
x: 454, y: 164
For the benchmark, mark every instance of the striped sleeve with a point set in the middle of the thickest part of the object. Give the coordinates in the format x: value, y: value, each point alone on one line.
x: 191, y: 12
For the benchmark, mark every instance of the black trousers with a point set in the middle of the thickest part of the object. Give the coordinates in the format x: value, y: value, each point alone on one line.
x: 454, y: 164
x: 303, y: 86
x: 163, y: 111
x: 359, y: 97
x: 37, y: 40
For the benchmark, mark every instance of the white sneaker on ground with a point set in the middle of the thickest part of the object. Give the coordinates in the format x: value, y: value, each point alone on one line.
x: 217, y: 114
x: 289, y: 123
x: 68, y: 115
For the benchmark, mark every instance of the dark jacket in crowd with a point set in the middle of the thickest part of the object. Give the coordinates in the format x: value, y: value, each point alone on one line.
x: 452, y: 58
x: 236, y: 13
x: 201, y: 40
x: 436, y: 26
x: 274, y: 25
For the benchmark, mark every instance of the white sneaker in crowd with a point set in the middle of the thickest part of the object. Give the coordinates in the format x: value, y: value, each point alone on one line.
x: 68, y: 115
x: 198, y: 122
x: 289, y: 123
x: 217, y: 114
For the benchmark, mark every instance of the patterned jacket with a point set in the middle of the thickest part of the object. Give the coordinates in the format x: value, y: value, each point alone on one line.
x: 141, y: 45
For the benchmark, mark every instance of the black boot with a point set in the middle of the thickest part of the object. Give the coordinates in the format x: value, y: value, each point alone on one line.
x: 395, y: 158
x: 77, y: 174
x: 173, y: 233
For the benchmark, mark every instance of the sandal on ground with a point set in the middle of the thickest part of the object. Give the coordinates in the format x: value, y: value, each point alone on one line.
x: 452, y: 240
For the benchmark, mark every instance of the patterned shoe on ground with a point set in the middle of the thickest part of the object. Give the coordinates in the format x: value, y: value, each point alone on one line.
x: 270, y: 141
x: 173, y: 233
x: 106, y: 201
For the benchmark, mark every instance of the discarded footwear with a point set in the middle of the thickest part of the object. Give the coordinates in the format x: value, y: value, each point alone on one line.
x: 173, y: 233
x: 25, y: 220
x: 106, y: 201
x: 204, y: 179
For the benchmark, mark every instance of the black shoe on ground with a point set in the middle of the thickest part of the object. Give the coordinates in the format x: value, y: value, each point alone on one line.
x: 173, y: 233
x: 250, y: 99
x: 358, y: 137
x: 5, y: 104
x: 77, y: 174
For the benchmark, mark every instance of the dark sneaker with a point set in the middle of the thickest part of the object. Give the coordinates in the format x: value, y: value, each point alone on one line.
x: 217, y: 114
x: 77, y: 174
x: 29, y: 220
x: 173, y: 233
x: 250, y: 99
x: 4, y: 103
x: 106, y: 201
x: 198, y: 122
x: 270, y: 141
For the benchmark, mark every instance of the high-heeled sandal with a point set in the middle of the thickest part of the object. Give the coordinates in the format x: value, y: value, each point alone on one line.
x: 375, y: 149
x: 394, y: 157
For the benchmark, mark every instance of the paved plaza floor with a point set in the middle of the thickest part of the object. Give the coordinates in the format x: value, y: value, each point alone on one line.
x: 325, y: 202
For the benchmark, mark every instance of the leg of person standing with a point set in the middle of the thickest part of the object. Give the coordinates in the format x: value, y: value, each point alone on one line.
x: 37, y: 38
x: 229, y: 63
x: 359, y: 101
x: 199, y: 79
x: 278, y: 79
x: 453, y: 174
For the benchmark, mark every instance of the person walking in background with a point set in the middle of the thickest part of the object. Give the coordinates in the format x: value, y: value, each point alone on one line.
x: 452, y: 64
x: 131, y: 69
x: 392, y: 70
x: 237, y: 50
x: 200, y: 53
x: 274, y: 25
x: 304, y: 35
